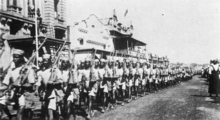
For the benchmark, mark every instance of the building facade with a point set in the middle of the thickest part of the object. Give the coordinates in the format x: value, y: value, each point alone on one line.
x: 17, y: 18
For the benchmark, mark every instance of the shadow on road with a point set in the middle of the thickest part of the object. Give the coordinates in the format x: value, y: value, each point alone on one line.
x: 199, y: 95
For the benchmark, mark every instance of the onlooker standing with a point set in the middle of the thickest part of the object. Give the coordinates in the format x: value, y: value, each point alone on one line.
x: 214, y: 81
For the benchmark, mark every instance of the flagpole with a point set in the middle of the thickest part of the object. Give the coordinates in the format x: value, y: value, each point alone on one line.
x: 36, y: 33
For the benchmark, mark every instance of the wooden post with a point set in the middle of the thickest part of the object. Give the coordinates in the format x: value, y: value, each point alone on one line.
x: 36, y: 34
x: 68, y: 39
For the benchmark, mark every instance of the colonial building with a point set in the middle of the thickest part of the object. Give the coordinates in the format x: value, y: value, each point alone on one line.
x: 17, y: 17
x: 107, y: 34
x: 91, y: 33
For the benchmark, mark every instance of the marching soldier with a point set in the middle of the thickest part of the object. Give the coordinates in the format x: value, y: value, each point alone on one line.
x: 115, y: 82
x: 166, y: 76
x: 101, y: 94
x: 136, y: 78
x: 169, y: 80
x: 124, y: 80
x: 154, y: 77
x: 159, y: 77
x: 176, y: 75
x: 162, y: 75
x: 145, y: 79
x: 69, y: 76
x: 80, y: 77
x: 90, y: 77
x: 130, y: 80
x: 20, y: 78
x: 150, y: 78
x: 110, y: 86
x: 50, y: 87
x: 120, y: 83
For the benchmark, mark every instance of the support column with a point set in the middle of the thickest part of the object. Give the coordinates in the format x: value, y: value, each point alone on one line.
x: 25, y: 8
x: 4, y: 5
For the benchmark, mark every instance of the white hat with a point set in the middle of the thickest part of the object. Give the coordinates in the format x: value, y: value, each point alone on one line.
x: 18, y: 52
x: 64, y: 58
x: 127, y: 60
x: 46, y: 56
x: 87, y: 59
x: 96, y: 60
x: 102, y: 60
x: 40, y: 59
x: 120, y: 59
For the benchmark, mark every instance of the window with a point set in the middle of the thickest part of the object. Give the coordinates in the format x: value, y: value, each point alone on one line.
x: 57, y: 8
x: 12, y: 2
x: 81, y: 41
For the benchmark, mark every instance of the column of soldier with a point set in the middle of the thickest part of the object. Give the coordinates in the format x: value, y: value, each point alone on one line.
x: 67, y: 88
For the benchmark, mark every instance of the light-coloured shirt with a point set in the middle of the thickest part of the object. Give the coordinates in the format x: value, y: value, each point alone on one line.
x: 13, y: 74
x: 44, y: 76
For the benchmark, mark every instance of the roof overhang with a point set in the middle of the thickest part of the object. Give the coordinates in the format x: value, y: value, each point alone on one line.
x: 49, y: 42
x: 130, y: 39
x: 137, y: 42
x: 119, y: 34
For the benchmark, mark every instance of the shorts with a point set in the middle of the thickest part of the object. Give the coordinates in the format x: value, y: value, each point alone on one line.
x: 130, y: 83
x: 123, y: 85
x: 136, y: 82
x: 143, y: 82
x: 90, y: 85
x: 3, y: 100
x: 29, y: 100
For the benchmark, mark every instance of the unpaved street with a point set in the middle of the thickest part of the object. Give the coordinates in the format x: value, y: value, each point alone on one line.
x: 187, y: 101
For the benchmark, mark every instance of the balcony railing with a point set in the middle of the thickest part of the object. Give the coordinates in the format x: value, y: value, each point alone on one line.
x: 14, y: 8
x: 132, y: 53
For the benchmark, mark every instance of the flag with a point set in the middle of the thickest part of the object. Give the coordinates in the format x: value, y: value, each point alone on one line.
x: 114, y: 16
x: 131, y: 26
x: 126, y: 12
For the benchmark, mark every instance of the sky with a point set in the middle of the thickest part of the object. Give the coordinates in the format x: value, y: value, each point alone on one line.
x: 184, y: 30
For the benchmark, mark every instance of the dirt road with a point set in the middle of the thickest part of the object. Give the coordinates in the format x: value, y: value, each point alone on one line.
x: 187, y: 101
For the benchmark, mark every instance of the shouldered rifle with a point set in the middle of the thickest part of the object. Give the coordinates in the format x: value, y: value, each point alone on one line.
x: 92, y: 74
x: 71, y: 77
x: 3, y: 50
x: 53, y: 76
x: 27, y: 67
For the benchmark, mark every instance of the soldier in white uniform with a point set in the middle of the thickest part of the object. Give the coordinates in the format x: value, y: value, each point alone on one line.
x: 154, y: 77
x: 137, y: 78
x: 169, y: 79
x: 101, y: 96
x: 90, y: 85
x: 150, y: 78
x: 143, y: 79
x: 166, y: 77
x: 20, y: 79
x: 70, y: 88
x: 162, y: 77
x: 50, y: 87
x: 115, y: 83
x: 124, y: 80
x: 130, y: 80
x: 121, y: 83
x: 159, y: 77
